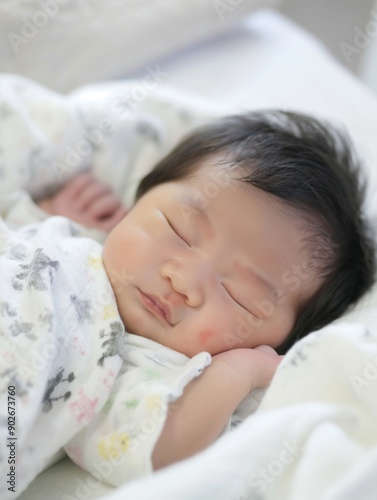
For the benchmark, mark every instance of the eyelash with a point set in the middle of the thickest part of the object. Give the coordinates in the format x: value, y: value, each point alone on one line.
x: 179, y: 236
x: 237, y: 302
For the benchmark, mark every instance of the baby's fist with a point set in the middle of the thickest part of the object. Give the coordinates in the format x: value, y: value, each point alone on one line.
x: 87, y: 201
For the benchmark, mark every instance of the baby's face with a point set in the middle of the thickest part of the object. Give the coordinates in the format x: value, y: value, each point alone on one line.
x: 228, y: 276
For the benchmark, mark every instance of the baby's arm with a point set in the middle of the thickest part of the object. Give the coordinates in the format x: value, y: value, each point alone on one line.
x: 87, y: 201
x: 197, y: 418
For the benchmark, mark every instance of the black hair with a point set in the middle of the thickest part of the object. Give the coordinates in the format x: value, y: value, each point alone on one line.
x: 313, y: 169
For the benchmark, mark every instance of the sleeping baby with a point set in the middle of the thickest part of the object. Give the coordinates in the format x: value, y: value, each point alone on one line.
x: 136, y: 353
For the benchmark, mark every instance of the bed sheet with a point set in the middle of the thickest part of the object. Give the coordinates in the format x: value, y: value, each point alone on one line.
x: 268, y: 62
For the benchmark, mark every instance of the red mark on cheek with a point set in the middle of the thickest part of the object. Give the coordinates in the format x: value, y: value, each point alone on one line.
x: 205, y: 335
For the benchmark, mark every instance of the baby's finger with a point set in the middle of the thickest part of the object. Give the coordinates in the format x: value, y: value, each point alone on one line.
x: 90, y: 194
x: 78, y: 183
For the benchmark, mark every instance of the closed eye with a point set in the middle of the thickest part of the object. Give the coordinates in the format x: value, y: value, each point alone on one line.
x: 179, y: 236
x: 231, y: 296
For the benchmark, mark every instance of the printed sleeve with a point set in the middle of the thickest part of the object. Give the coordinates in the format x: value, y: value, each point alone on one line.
x: 119, y: 443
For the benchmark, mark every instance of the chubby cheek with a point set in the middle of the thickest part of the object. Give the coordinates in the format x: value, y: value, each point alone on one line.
x: 125, y: 244
x: 123, y: 257
x: 213, y: 330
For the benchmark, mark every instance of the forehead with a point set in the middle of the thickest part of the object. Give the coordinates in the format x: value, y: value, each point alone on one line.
x: 242, y: 213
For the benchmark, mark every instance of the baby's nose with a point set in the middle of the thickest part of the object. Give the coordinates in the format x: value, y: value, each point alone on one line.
x: 188, y: 280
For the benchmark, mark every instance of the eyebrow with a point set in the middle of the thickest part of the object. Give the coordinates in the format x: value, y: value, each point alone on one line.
x: 194, y: 203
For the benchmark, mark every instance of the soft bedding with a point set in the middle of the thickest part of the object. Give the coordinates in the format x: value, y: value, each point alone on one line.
x: 314, y: 434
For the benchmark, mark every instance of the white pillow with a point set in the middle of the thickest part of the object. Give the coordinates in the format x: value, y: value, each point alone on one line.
x: 63, y: 44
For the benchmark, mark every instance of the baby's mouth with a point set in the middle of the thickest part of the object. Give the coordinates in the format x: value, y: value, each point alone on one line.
x: 153, y: 307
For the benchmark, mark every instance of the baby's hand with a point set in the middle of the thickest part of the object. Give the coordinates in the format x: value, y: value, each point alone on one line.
x: 254, y: 367
x: 201, y: 413
x: 87, y: 201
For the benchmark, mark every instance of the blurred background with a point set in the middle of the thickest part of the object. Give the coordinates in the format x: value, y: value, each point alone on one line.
x: 336, y: 23
x: 66, y: 43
